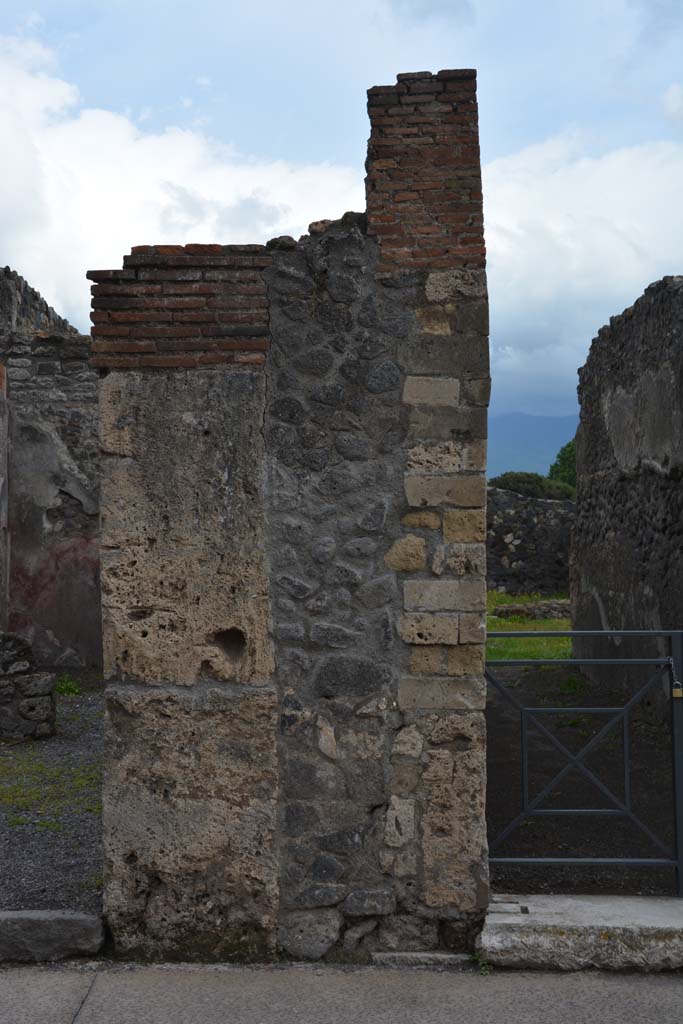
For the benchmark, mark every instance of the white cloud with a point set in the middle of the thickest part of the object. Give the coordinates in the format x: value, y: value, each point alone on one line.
x: 572, y: 240
x: 672, y: 101
x: 80, y: 186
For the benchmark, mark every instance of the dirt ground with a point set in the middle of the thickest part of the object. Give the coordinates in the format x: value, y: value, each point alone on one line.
x: 650, y: 780
x: 50, y: 810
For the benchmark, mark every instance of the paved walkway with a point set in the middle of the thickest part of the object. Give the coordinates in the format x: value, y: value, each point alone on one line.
x: 114, y: 994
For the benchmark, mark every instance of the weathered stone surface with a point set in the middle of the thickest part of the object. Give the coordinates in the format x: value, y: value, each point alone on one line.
x: 27, y: 702
x: 454, y: 847
x: 460, y: 560
x: 464, y: 693
x: 40, y: 935
x: 465, y: 526
x: 422, y: 520
x: 189, y: 818
x: 408, y: 554
x: 422, y: 628
x: 369, y: 903
x: 180, y: 603
x: 571, y: 933
x: 49, y: 462
x: 342, y: 675
x: 444, y: 595
x: 527, y: 543
x: 432, y: 391
x: 400, y: 823
x: 430, y: 490
x: 309, y: 934
x: 627, y: 557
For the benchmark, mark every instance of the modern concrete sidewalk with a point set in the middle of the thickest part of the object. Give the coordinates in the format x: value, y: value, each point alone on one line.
x: 115, y: 994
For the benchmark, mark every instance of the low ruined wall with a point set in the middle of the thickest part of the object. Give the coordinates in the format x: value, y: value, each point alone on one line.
x: 293, y: 577
x: 27, y: 702
x: 49, y: 462
x: 627, y: 559
x: 527, y: 543
x: 49, y: 557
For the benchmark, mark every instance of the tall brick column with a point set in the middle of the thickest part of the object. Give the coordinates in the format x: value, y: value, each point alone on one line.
x: 190, y: 774
x: 424, y: 203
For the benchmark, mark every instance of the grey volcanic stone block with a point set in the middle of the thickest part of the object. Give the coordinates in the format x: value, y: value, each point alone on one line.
x: 309, y: 933
x: 36, y: 935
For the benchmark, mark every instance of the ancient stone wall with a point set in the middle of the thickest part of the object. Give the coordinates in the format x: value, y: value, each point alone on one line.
x: 627, y: 557
x: 293, y: 569
x: 527, y: 543
x: 27, y: 703
x: 49, y: 462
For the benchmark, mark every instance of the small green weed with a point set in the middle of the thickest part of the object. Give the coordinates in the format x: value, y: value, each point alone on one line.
x: 67, y: 686
x: 573, y: 684
x: 482, y: 965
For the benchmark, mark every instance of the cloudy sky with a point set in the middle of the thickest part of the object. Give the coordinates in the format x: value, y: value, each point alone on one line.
x: 143, y: 121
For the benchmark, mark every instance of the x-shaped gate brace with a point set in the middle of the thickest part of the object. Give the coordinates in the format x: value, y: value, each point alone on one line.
x: 666, y: 667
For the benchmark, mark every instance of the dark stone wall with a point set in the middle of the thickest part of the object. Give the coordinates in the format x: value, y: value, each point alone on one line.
x: 49, y: 460
x: 527, y: 543
x: 627, y: 559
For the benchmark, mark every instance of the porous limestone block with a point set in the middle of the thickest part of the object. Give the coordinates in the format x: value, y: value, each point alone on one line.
x: 444, y: 595
x: 429, y: 490
x: 189, y: 815
x: 465, y: 525
x: 464, y: 693
x: 454, y: 846
x: 184, y: 587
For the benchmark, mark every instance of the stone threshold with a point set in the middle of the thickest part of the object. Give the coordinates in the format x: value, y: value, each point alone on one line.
x: 572, y: 933
x: 37, y: 936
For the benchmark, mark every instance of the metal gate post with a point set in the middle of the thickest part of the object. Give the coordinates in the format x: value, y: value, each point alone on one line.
x: 677, y: 750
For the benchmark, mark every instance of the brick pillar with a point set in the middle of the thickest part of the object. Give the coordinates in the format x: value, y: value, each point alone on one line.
x: 424, y: 204
x: 190, y: 773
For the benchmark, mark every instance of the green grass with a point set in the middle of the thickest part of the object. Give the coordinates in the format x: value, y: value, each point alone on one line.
x: 496, y: 598
x: 35, y: 792
x: 506, y: 648
x: 67, y: 686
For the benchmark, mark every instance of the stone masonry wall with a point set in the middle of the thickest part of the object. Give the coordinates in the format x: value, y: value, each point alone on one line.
x: 527, y: 543
x: 50, y: 463
x: 294, y: 589
x: 627, y: 557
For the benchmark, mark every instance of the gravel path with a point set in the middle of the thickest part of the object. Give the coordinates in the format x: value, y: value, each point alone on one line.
x: 50, y: 811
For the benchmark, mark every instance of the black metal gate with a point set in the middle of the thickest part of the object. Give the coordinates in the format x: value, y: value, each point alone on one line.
x: 669, y: 668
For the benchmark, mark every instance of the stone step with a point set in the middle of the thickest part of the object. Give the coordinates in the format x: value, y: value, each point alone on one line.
x: 420, y: 958
x: 570, y: 933
x: 39, y: 935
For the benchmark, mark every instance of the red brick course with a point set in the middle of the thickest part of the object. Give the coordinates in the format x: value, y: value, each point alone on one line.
x: 181, y: 306
x: 423, y: 184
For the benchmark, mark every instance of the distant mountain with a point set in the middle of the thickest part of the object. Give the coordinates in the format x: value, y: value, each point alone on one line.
x: 518, y: 441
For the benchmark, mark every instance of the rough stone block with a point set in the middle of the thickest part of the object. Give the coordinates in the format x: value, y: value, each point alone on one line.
x: 464, y: 354
x: 466, y: 526
x: 428, y: 661
x: 309, y: 934
x: 464, y: 422
x: 466, y: 659
x: 444, y: 595
x: 460, y: 560
x: 369, y: 903
x: 454, y: 847
x: 400, y: 822
x: 189, y: 812
x: 430, y: 629
x: 40, y: 935
x: 447, y: 457
x: 462, y: 694
x: 429, y: 490
x: 422, y: 520
x: 408, y: 554
x: 472, y: 628
x: 183, y: 603
x: 432, y: 391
